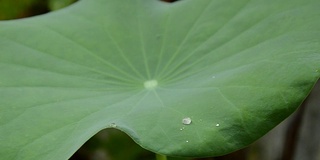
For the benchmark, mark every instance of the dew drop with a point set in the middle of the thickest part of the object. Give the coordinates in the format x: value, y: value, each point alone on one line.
x: 217, y: 125
x: 113, y: 125
x: 187, y: 141
x: 186, y: 121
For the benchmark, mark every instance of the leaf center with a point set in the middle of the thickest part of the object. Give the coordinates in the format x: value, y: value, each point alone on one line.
x: 151, y: 84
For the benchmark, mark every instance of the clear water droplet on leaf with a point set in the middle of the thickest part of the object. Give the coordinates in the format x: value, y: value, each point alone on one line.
x: 186, y: 120
x: 113, y: 125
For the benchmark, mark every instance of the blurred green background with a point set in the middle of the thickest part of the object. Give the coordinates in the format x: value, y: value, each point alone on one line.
x: 14, y: 9
x: 296, y: 138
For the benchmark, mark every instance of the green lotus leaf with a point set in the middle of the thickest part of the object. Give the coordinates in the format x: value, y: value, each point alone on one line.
x: 191, y: 78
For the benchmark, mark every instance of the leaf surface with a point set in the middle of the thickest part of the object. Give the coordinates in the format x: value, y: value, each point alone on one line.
x: 236, y: 68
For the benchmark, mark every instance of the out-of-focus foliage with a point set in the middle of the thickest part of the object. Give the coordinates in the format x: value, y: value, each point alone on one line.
x: 111, y: 144
x: 14, y: 9
x: 58, y: 4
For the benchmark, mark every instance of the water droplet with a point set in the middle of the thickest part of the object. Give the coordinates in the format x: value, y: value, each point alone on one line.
x: 181, y: 128
x: 151, y: 84
x: 217, y: 125
x: 113, y: 125
x: 187, y: 141
x: 213, y: 76
x: 186, y: 121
